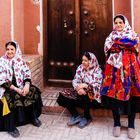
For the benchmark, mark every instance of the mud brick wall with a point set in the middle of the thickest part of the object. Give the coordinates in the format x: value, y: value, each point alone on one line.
x: 35, y: 63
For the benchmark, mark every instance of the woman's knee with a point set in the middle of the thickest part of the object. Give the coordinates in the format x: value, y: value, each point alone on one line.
x: 61, y: 100
x: 64, y: 101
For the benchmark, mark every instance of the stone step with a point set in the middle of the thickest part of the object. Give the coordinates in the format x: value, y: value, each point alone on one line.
x: 50, y: 105
x: 49, y: 97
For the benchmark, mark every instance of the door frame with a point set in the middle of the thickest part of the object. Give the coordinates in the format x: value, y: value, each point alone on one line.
x: 45, y: 40
x: 77, y: 30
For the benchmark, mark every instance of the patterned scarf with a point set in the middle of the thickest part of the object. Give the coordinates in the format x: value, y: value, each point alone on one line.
x: 16, y: 64
x: 115, y: 59
x: 93, y: 76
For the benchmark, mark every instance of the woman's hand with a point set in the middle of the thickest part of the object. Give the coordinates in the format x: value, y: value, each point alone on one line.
x: 25, y: 89
x: 81, y: 86
x: 81, y: 92
x: 18, y: 90
x: 136, y: 38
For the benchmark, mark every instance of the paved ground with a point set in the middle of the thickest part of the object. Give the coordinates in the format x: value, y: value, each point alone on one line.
x: 55, y: 128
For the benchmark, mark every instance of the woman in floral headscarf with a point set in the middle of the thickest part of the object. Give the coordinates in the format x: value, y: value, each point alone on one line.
x: 20, y: 101
x: 121, y: 84
x: 86, y: 93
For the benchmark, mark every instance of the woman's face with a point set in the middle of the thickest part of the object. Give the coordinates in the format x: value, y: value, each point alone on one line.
x: 119, y: 24
x: 10, y: 51
x: 85, y: 62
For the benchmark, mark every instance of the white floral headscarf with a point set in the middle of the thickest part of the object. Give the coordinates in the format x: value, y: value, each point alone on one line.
x: 92, y: 76
x: 21, y: 69
x: 115, y: 59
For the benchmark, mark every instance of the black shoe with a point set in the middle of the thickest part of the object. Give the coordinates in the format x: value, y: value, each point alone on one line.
x: 36, y: 122
x: 17, y: 131
x: 14, y: 133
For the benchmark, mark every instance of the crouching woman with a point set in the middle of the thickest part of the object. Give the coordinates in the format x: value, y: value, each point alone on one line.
x: 85, y: 93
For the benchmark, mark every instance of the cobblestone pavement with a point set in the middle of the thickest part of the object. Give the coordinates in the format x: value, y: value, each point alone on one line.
x: 54, y: 128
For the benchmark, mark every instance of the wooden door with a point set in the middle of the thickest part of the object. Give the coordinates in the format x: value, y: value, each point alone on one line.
x: 75, y: 26
x: 96, y: 24
x: 61, y: 40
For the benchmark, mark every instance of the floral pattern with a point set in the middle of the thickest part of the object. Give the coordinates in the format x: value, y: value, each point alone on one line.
x: 92, y: 77
x: 16, y: 64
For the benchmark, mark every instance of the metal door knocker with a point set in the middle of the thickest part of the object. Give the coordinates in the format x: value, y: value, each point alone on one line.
x: 92, y: 25
x: 65, y: 23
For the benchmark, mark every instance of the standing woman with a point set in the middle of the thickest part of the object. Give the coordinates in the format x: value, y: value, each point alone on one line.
x: 86, y: 94
x: 121, y: 84
x: 20, y: 101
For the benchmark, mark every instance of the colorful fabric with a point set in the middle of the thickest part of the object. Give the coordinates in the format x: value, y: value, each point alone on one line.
x: 125, y: 42
x: 93, y: 76
x: 6, y: 109
x: 16, y: 64
x: 127, y: 33
x: 115, y: 59
x: 72, y: 94
x: 121, y: 76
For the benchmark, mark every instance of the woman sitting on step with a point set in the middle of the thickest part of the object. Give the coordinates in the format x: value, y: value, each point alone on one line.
x: 86, y: 92
x: 20, y: 101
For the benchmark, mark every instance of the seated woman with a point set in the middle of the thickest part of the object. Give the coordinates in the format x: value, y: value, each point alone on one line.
x: 20, y: 101
x: 86, y: 93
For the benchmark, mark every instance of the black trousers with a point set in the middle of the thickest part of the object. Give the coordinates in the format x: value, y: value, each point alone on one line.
x: 7, y: 122
x: 71, y: 104
x: 116, y: 117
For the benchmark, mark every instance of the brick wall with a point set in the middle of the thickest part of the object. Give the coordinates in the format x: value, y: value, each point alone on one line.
x: 35, y: 63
